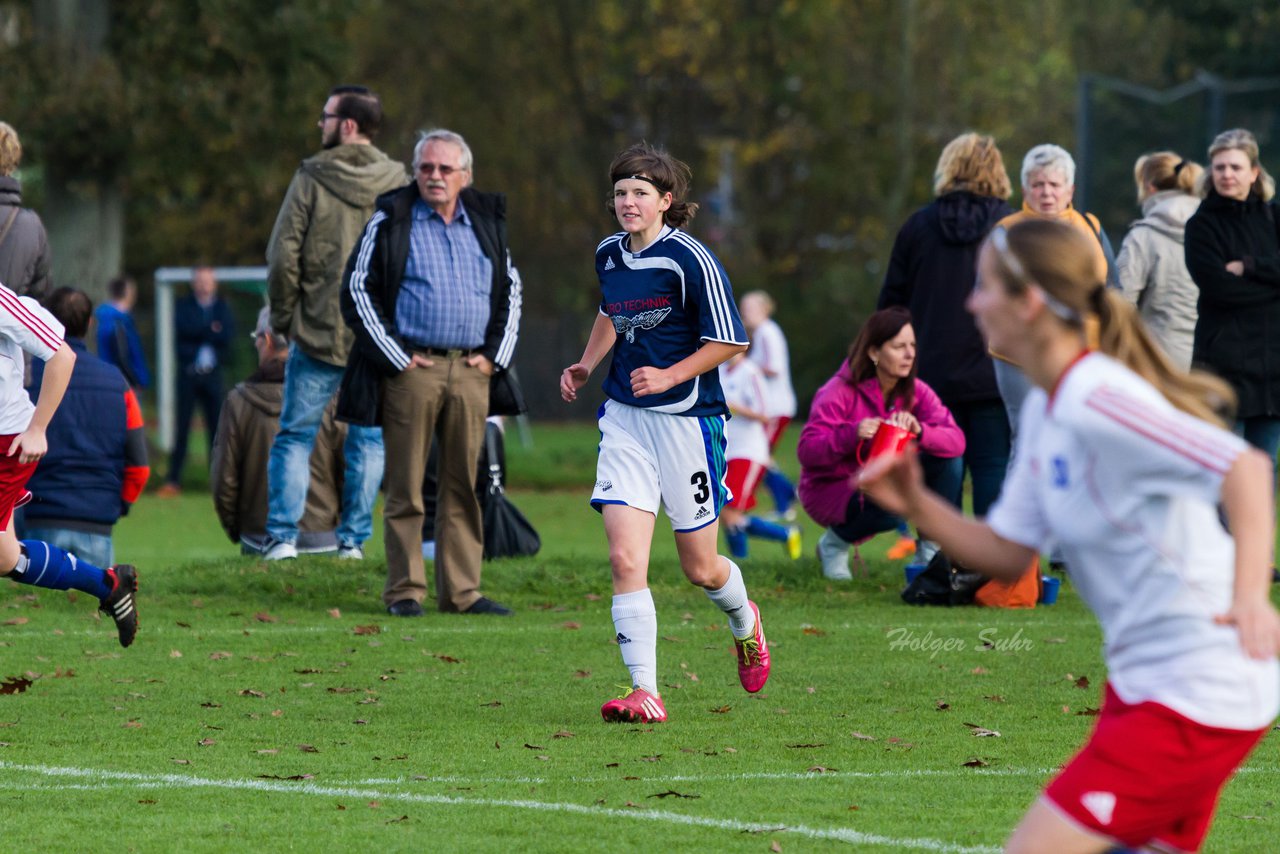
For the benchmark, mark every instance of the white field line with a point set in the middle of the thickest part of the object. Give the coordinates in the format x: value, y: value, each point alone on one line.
x: 430, y: 628
x: 124, y: 779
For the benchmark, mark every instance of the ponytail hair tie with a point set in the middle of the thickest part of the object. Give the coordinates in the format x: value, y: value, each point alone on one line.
x: 1178, y: 168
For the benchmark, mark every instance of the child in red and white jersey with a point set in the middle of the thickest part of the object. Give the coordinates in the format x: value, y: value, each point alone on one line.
x: 1124, y: 463
x: 26, y: 327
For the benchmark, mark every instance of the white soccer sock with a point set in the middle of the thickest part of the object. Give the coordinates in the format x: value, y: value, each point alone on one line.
x: 636, y: 621
x: 732, y: 599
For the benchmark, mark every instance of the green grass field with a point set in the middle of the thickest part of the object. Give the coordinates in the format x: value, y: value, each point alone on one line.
x: 279, y: 707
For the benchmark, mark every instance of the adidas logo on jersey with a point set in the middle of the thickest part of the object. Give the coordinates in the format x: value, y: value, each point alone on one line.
x: 622, y: 639
x: 702, y: 513
x: 608, y: 264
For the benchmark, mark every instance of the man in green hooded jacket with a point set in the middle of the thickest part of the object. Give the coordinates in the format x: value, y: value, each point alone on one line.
x: 326, y: 207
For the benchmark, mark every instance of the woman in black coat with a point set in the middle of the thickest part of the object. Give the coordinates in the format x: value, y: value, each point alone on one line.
x: 931, y: 272
x: 1233, y: 254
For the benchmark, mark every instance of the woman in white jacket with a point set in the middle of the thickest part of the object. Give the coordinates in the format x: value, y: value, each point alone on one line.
x: 1152, y: 268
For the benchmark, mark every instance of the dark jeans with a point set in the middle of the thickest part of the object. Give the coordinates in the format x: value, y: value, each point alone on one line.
x: 193, y: 388
x: 985, y: 425
x: 864, y: 518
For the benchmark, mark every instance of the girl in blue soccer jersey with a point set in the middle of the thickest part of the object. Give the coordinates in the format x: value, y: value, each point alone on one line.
x: 667, y: 312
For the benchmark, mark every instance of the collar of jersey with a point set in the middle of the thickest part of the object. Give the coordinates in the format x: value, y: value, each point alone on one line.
x: 1053, y: 393
x: 662, y: 235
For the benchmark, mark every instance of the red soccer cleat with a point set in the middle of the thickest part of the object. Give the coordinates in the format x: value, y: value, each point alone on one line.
x: 637, y: 706
x: 753, y: 656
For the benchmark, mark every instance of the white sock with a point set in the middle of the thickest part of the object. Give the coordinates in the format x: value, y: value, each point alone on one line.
x: 636, y: 622
x: 732, y: 599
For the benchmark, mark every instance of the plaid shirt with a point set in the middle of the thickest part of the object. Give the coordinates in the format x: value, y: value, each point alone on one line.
x: 444, y: 296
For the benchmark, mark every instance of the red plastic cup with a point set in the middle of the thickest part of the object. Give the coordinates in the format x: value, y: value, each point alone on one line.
x: 889, y: 439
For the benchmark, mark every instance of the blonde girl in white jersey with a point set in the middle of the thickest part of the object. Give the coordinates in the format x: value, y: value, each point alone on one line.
x: 1126, y: 466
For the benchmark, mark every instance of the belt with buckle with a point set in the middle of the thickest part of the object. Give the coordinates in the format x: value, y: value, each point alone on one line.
x: 440, y: 352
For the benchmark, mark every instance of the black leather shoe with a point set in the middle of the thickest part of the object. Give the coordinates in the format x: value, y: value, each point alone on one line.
x: 488, y: 606
x: 405, y: 608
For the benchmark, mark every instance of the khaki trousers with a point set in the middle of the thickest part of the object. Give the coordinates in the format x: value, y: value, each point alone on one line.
x: 455, y: 397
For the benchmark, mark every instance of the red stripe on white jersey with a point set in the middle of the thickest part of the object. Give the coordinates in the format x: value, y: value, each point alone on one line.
x: 1204, y: 443
x: 9, y: 300
x: 1161, y: 430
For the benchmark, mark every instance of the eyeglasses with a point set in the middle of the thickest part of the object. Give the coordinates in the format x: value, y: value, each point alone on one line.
x: 445, y: 171
x: 324, y: 117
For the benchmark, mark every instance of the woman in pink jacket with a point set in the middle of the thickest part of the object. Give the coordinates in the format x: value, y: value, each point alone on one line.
x: 876, y: 383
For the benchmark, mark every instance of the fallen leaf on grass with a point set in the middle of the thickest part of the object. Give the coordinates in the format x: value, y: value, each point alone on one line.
x: 337, y: 615
x: 806, y: 746
x: 730, y: 750
x: 853, y: 807
x: 269, y: 752
x: 308, y: 748
x: 374, y: 805
x: 534, y: 746
x: 290, y: 777
x: 447, y: 659
x: 863, y: 736
x: 14, y: 685
x: 7, y: 724
x: 942, y: 706
x: 581, y: 674
x: 564, y: 733
x: 249, y: 692
x: 402, y: 818
x: 1082, y: 682
x: 368, y: 630
x: 819, y: 769
x: 135, y: 724
x: 656, y: 757
x: 1088, y: 713
x: 721, y: 710
x: 592, y: 597
x: 492, y: 704
x: 994, y: 698
x: 146, y: 801
x: 17, y: 621
x: 979, y: 671
x: 975, y: 762
x: 175, y: 654
x: 672, y: 793
x: 359, y: 721
x: 1055, y: 640
x: 571, y: 625
x: 264, y: 617
x: 341, y: 689
x: 219, y: 656
x: 206, y: 742
x: 211, y: 705
x: 982, y: 732
x: 181, y: 761
x: 813, y: 630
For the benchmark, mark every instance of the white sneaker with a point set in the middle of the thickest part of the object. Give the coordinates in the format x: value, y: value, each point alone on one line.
x: 833, y: 553
x: 279, y: 550
x: 350, y: 553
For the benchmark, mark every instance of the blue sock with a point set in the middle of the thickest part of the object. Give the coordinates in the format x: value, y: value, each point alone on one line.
x: 737, y: 540
x: 43, y: 565
x: 780, y: 488
x: 766, y: 530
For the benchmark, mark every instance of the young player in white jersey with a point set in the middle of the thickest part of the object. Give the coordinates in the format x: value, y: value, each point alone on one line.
x: 668, y: 315
x: 1123, y: 464
x: 27, y: 327
x: 770, y: 353
x: 747, y: 451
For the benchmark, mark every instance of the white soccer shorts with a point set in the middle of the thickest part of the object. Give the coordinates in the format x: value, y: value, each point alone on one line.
x: 648, y: 457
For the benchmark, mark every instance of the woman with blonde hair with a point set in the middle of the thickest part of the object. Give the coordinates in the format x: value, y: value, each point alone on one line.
x: 1233, y: 254
x: 1122, y: 463
x: 24, y: 247
x: 1152, y: 265
x: 931, y: 273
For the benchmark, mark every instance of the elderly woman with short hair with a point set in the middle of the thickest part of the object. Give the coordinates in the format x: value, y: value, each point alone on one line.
x: 1048, y: 187
x: 24, y: 247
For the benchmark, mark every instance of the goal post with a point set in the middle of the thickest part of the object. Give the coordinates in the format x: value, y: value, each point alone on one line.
x: 247, y: 280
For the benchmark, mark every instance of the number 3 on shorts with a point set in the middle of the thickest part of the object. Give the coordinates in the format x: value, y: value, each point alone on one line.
x: 702, y: 487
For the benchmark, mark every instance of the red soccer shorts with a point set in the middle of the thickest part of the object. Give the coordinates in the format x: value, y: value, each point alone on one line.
x: 1149, y: 775
x: 742, y: 478
x: 774, y: 428
x: 13, y: 481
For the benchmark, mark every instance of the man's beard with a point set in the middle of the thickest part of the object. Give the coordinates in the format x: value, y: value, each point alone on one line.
x: 330, y: 140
